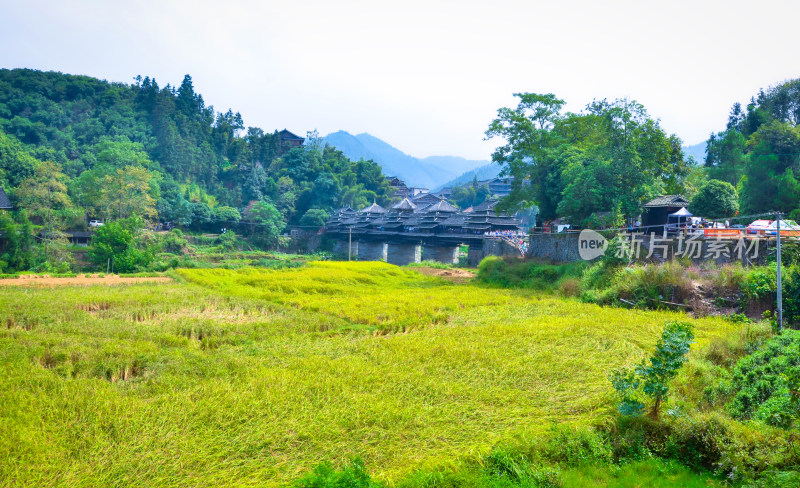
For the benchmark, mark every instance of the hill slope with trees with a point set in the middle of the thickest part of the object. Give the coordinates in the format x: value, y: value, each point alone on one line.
x: 181, y: 159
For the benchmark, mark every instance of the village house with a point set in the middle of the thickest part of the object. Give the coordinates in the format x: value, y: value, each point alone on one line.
x: 289, y: 140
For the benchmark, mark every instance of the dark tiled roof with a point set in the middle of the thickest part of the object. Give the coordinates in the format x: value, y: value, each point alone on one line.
x: 285, y: 135
x: 5, y: 203
x: 487, y: 205
x: 668, y: 201
x: 374, y: 208
x: 441, y: 206
x: 425, y: 198
x: 454, y: 221
x: 405, y: 204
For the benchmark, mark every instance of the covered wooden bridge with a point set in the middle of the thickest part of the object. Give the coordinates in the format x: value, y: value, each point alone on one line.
x: 411, y: 231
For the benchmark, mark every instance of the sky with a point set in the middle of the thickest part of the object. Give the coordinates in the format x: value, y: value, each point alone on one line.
x: 424, y: 76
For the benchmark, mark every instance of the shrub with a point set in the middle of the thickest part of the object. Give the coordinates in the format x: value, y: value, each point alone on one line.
x: 729, y: 278
x: 116, y: 243
x: 227, y: 240
x: 766, y: 383
x: 575, y: 447
x: 649, y: 285
x: 570, y: 287
x: 174, y: 241
x: 352, y: 475
x: 791, y: 296
x: 517, y: 273
x: 760, y: 283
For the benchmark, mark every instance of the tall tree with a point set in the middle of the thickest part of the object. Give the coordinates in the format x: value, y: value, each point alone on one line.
x: 129, y: 191
x: 611, y: 157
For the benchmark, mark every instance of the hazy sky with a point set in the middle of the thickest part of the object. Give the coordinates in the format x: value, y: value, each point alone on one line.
x: 425, y: 76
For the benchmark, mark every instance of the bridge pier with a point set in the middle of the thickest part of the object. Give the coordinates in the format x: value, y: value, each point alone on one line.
x: 372, y: 251
x: 402, y: 254
x: 340, y: 248
x: 442, y: 254
x: 475, y: 255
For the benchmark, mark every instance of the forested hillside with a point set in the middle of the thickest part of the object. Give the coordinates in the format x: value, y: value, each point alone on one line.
x: 759, y: 151
x: 72, y: 146
x: 613, y: 157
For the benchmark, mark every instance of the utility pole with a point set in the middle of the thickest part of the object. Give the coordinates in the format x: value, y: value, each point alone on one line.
x: 350, y: 243
x: 779, y: 284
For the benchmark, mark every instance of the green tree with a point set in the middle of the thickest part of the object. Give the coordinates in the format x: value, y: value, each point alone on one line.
x: 44, y: 195
x: 725, y: 156
x: 613, y: 155
x: 44, y: 192
x: 529, y: 137
x: 114, y: 244
x: 697, y: 177
x: 226, y: 216
x: 268, y: 223
x: 716, y: 199
x: 759, y: 152
x: 16, y: 163
x: 652, y: 377
x: 128, y: 191
x: 18, y: 251
x: 314, y: 217
x: 119, y: 152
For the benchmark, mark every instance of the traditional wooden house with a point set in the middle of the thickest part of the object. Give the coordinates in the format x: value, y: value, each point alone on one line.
x: 500, y: 187
x: 445, y: 192
x: 484, y: 218
x: 425, y: 199
x: 5, y: 203
x: 656, y: 212
x: 399, y: 186
x: 289, y: 140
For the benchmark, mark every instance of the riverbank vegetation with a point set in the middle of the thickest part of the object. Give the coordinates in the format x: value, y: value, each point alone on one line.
x: 746, y: 292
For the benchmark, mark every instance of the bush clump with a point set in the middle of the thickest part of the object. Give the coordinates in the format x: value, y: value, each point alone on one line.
x: 534, y: 275
x: 351, y: 475
x: 767, y: 383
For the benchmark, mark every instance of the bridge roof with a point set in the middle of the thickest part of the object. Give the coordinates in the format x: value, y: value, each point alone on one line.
x: 404, y: 204
x: 374, y: 208
x: 441, y: 206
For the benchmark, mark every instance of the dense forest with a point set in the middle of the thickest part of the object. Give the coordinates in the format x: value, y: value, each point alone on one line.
x: 73, y: 146
x: 612, y: 157
x: 759, y: 151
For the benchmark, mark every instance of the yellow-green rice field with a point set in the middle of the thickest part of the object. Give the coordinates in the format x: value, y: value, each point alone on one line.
x: 252, y: 377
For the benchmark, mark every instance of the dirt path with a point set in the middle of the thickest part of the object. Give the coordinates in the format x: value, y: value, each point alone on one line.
x: 454, y: 275
x: 80, y: 280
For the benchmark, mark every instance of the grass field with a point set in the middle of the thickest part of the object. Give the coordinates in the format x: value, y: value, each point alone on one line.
x: 252, y: 377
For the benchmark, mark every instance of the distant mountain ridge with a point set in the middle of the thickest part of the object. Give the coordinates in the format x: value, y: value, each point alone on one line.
x: 698, y: 151
x: 483, y: 173
x: 431, y: 172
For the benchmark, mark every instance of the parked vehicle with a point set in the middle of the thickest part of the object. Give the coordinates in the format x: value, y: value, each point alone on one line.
x: 758, y: 227
x: 95, y: 223
x: 788, y: 228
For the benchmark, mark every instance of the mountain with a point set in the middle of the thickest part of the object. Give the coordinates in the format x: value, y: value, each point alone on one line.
x: 698, y: 151
x: 485, y: 172
x: 430, y: 172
